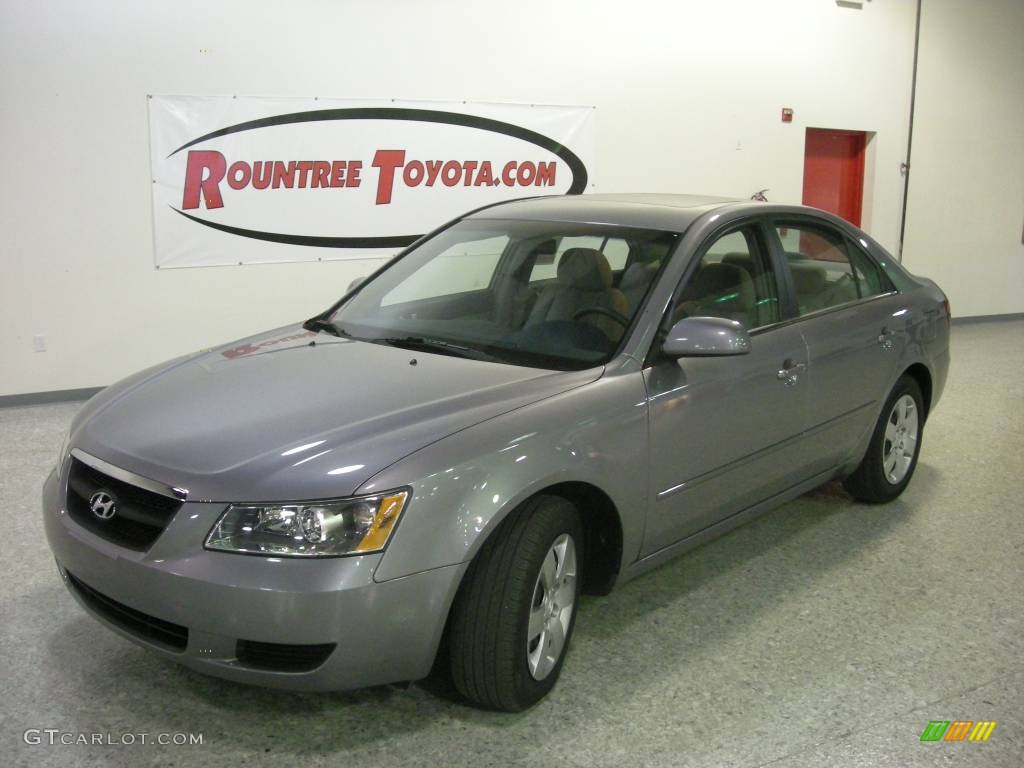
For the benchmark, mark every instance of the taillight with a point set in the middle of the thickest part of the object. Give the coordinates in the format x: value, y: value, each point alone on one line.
x: 945, y: 306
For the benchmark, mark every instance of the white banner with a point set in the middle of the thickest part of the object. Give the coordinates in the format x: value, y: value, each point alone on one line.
x: 254, y: 180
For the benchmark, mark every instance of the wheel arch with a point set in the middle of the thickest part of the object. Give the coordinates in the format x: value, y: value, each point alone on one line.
x: 602, y: 528
x: 919, y: 372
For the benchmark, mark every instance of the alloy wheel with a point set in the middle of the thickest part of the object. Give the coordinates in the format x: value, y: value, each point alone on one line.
x: 554, y: 598
x: 900, y: 444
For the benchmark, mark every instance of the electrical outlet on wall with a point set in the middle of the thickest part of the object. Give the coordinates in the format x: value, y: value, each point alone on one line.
x: 39, y: 343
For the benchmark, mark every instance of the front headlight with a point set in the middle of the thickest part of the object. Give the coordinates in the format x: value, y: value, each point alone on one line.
x: 310, y: 528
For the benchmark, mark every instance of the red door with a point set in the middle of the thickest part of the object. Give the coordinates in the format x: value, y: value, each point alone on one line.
x: 834, y: 171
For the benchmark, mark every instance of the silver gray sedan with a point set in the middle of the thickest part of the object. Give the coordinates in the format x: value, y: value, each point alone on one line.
x: 540, y: 398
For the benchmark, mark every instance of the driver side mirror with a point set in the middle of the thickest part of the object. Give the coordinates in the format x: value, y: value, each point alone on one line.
x: 706, y: 337
x: 355, y: 284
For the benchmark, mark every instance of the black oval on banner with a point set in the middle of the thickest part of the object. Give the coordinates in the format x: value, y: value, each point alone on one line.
x: 579, y: 171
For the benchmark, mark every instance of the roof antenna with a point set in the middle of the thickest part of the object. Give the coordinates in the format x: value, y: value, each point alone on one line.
x: 759, y: 195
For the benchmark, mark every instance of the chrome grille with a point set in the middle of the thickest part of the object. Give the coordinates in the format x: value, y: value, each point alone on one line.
x: 140, y: 515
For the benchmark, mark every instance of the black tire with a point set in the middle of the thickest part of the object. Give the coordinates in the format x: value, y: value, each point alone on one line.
x: 490, y: 617
x: 869, y: 482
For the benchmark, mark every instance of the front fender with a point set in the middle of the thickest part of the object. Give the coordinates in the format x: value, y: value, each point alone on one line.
x: 465, y: 485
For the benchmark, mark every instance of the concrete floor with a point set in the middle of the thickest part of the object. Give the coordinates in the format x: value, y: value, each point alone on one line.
x: 825, y: 633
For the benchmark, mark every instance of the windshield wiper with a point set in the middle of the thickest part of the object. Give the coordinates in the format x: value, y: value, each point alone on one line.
x: 320, y: 325
x: 436, y: 345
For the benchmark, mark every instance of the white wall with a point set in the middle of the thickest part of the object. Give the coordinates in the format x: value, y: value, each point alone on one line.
x: 688, y: 94
x: 966, y: 204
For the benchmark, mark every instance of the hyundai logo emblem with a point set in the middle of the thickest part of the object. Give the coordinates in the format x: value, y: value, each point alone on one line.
x: 103, y: 504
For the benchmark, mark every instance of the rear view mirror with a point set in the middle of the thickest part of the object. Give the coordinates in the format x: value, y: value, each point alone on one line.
x: 706, y: 337
x: 545, y: 252
x: 355, y: 284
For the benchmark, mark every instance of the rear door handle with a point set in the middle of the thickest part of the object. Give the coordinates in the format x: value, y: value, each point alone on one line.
x: 790, y: 372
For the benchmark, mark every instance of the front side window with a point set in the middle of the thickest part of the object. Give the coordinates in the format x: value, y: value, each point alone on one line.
x: 543, y: 294
x: 827, y: 270
x: 734, y: 280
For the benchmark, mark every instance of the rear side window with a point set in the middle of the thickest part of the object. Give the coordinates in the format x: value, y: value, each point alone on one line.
x: 827, y: 270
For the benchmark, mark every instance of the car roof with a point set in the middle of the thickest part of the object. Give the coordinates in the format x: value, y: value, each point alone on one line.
x: 647, y: 210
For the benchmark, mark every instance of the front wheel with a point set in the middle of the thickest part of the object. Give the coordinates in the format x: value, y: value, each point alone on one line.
x: 895, y: 444
x: 516, y: 608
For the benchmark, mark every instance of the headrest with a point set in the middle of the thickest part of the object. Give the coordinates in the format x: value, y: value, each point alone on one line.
x: 718, y: 278
x: 740, y: 259
x: 584, y: 268
x: 649, y: 252
x: 807, y: 279
x: 639, y: 274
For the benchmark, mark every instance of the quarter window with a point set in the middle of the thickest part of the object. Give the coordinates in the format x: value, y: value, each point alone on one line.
x: 870, y: 276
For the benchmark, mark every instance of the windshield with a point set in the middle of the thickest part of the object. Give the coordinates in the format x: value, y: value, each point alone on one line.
x: 542, y: 294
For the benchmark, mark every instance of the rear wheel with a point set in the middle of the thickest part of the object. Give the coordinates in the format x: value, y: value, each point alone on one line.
x: 895, y: 444
x: 515, y: 611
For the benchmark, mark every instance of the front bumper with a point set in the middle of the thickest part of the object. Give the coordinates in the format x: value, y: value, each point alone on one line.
x: 383, y: 632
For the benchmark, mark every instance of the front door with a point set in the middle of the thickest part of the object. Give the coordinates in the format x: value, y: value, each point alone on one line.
x: 725, y: 431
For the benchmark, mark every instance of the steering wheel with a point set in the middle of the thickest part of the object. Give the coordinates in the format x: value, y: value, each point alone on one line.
x: 609, y: 313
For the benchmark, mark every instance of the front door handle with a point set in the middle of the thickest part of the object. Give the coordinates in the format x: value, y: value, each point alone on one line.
x: 790, y: 372
x: 885, y: 339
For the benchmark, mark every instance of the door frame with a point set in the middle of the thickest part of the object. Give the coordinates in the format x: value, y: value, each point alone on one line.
x: 860, y: 172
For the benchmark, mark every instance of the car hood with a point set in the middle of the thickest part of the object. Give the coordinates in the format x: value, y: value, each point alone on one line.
x: 277, y: 417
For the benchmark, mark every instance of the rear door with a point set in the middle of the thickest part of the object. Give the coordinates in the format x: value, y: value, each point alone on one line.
x: 854, y: 325
x: 725, y: 431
